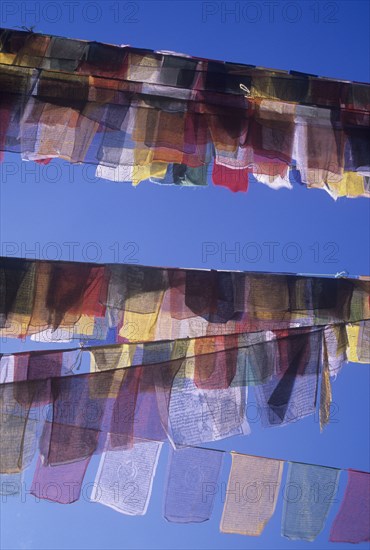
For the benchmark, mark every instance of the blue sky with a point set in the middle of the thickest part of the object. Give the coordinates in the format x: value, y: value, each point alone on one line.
x: 42, y: 209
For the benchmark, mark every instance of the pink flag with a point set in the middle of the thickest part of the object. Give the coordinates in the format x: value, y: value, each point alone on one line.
x: 352, y: 523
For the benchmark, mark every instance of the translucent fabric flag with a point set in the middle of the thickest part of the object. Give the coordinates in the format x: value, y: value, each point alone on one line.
x: 60, y: 483
x: 38, y: 365
x: 125, y: 477
x: 352, y: 523
x: 336, y: 344
x: 219, y: 372
x: 18, y: 442
x: 292, y: 394
x: 79, y: 403
x: 18, y: 425
x: 309, y: 494
x: 6, y: 368
x: 326, y: 147
x: 353, y: 333
x: 197, y: 416
x: 17, y: 279
x: 141, y: 407
x: 251, y: 494
x: 149, y: 417
x: 325, y: 390
x: 106, y: 358
x: 363, y: 345
x: 334, y: 355
x: 191, y: 484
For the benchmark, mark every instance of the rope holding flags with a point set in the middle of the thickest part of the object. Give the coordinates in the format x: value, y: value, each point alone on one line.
x: 125, y: 478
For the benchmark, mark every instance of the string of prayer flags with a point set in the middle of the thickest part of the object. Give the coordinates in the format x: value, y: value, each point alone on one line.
x: 147, y: 304
x: 172, y: 118
x: 125, y: 475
